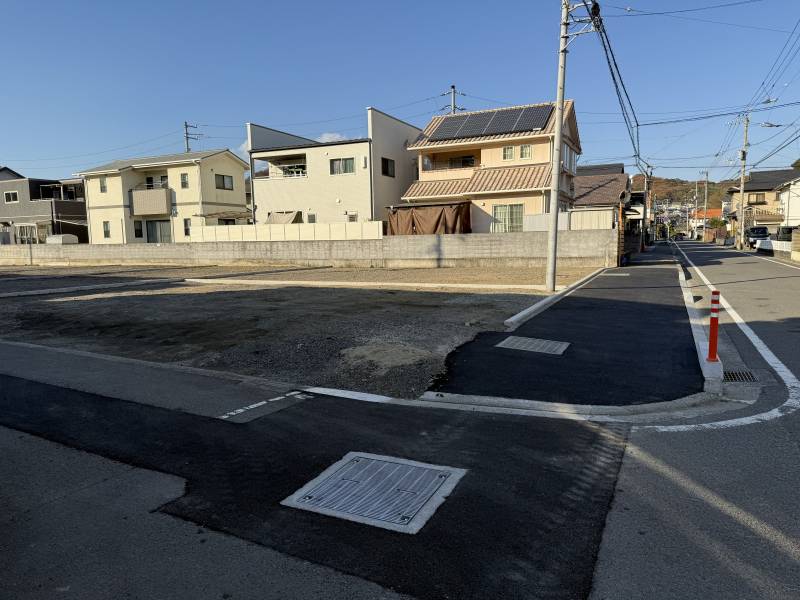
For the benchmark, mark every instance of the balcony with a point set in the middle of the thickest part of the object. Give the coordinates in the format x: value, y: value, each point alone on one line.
x: 466, y: 162
x: 149, y: 199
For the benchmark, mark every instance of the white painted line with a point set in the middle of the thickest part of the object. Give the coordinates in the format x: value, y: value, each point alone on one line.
x: 366, y: 284
x: 521, y: 317
x: 614, y: 274
x: 712, y: 372
x: 350, y: 394
x: 239, y: 411
x: 792, y: 402
x: 749, y: 254
x: 85, y: 288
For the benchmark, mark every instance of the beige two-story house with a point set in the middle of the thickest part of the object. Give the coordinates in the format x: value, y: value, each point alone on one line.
x: 762, y: 201
x: 161, y: 199
x: 500, y: 161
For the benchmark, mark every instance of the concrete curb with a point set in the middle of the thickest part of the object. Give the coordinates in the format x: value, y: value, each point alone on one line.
x: 712, y: 372
x: 521, y: 317
x: 86, y: 288
x: 363, y: 284
x: 585, y: 410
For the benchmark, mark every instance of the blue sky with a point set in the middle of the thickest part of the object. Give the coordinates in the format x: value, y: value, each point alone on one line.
x: 89, y: 82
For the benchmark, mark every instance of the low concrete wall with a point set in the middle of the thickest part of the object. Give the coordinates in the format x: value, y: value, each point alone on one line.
x: 587, y: 248
x: 773, y: 248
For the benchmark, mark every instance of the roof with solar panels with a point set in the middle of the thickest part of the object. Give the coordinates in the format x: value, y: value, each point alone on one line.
x: 499, y: 124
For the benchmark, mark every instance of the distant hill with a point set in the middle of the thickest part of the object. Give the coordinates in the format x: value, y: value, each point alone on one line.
x: 679, y: 190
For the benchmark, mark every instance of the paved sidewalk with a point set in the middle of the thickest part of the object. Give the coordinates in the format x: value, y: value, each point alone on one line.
x: 629, y: 338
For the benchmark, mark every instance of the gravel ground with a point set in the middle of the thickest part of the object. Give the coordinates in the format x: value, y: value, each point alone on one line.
x: 380, y: 341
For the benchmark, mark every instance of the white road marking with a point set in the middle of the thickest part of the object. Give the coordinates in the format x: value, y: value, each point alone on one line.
x: 239, y: 411
x: 772, y: 260
x: 791, y: 404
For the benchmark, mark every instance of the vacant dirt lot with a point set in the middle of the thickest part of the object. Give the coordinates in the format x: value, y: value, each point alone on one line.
x: 377, y: 340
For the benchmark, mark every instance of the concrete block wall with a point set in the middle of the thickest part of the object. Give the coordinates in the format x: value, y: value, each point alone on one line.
x: 596, y: 248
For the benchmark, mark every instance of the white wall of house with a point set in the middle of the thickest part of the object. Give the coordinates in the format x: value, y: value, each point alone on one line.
x: 390, y: 137
x: 789, y: 199
x: 330, y: 198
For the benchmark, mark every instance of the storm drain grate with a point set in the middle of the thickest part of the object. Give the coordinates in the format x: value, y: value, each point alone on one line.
x: 383, y: 491
x: 514, y: 342
x: 739, y: 376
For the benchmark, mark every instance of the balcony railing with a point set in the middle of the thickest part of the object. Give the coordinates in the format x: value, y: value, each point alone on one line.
x: 446, y: 165
x: 147, y: 199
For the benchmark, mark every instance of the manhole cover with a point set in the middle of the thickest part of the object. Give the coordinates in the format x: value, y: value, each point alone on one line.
x: 514, y: 342
x: 739, y: 376
x: 384, y: 491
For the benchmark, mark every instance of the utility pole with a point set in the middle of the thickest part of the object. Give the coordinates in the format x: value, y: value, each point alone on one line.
x: 558, y: 140
x: 694, y: 228
x: 743, y: 158
x: 647, y: 174
x: 186, y: 136
x: 705, y: 207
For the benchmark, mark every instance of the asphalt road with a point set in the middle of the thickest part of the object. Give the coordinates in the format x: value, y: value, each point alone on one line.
x: 524, y: 522
x: 713, y: 513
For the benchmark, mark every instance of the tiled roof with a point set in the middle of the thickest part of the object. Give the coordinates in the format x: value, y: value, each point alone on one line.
x: 444, y: 188
x: 483, y: 181
x: 600, y: 190
x: 606, y: 169
x: 769, y: 180
x: 713, y: 213
x: 118, y: 165
x: 423, y: 140
x: 510, y: 179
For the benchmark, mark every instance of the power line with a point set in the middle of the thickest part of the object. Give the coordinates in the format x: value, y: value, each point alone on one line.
x: 634, y: 12
x: 8, y: 160
x: 717, y: 115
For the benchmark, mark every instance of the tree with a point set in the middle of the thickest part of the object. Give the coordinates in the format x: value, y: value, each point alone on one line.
x: 796, y: 164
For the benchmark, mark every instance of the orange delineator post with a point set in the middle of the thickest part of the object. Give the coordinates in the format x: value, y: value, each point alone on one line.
x: 713, y: 328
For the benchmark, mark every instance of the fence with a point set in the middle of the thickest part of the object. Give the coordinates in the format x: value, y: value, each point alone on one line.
x: 573, y: 220
x: 587, y: 248
x: 298, y: 232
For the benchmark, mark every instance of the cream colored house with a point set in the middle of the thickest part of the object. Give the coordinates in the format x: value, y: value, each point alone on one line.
x: 298, y: 180
x: 160, y: 199
x: 499, y: 160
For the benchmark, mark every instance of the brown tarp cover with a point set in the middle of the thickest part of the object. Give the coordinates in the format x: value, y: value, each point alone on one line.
x: 430, y: 219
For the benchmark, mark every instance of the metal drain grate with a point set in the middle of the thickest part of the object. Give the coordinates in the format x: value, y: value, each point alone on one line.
x: 739, y: 376
x: 383, y: 491
x: 514, y: 342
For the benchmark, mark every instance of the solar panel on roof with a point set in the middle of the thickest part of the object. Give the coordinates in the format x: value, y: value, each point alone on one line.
x: 448, y: 128
x: 503, y: 121
x: 475, y: 125
x: 534, y: 117
x: 510, y: 120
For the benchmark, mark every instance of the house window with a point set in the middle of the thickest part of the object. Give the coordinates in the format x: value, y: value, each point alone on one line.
x: 11, y: 197
x: 342, y: 166
x: 137, y: 229
x: 569, y: 159
x: 164, y: 181
x: 387, y: 167
x: 461, y: 162
x: 506, y: 218
x: 352, y: 217
x: 508, y: 152
x: 187, y: 227
x: 103, y: 184
x: 260, y: 167
x: 312, y: 218
x: 223, y: 182
x: 525, y: 151
x: 226, y: 221
x: 106, y: 229
x: 757, y: 198
x: 184, y: 181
